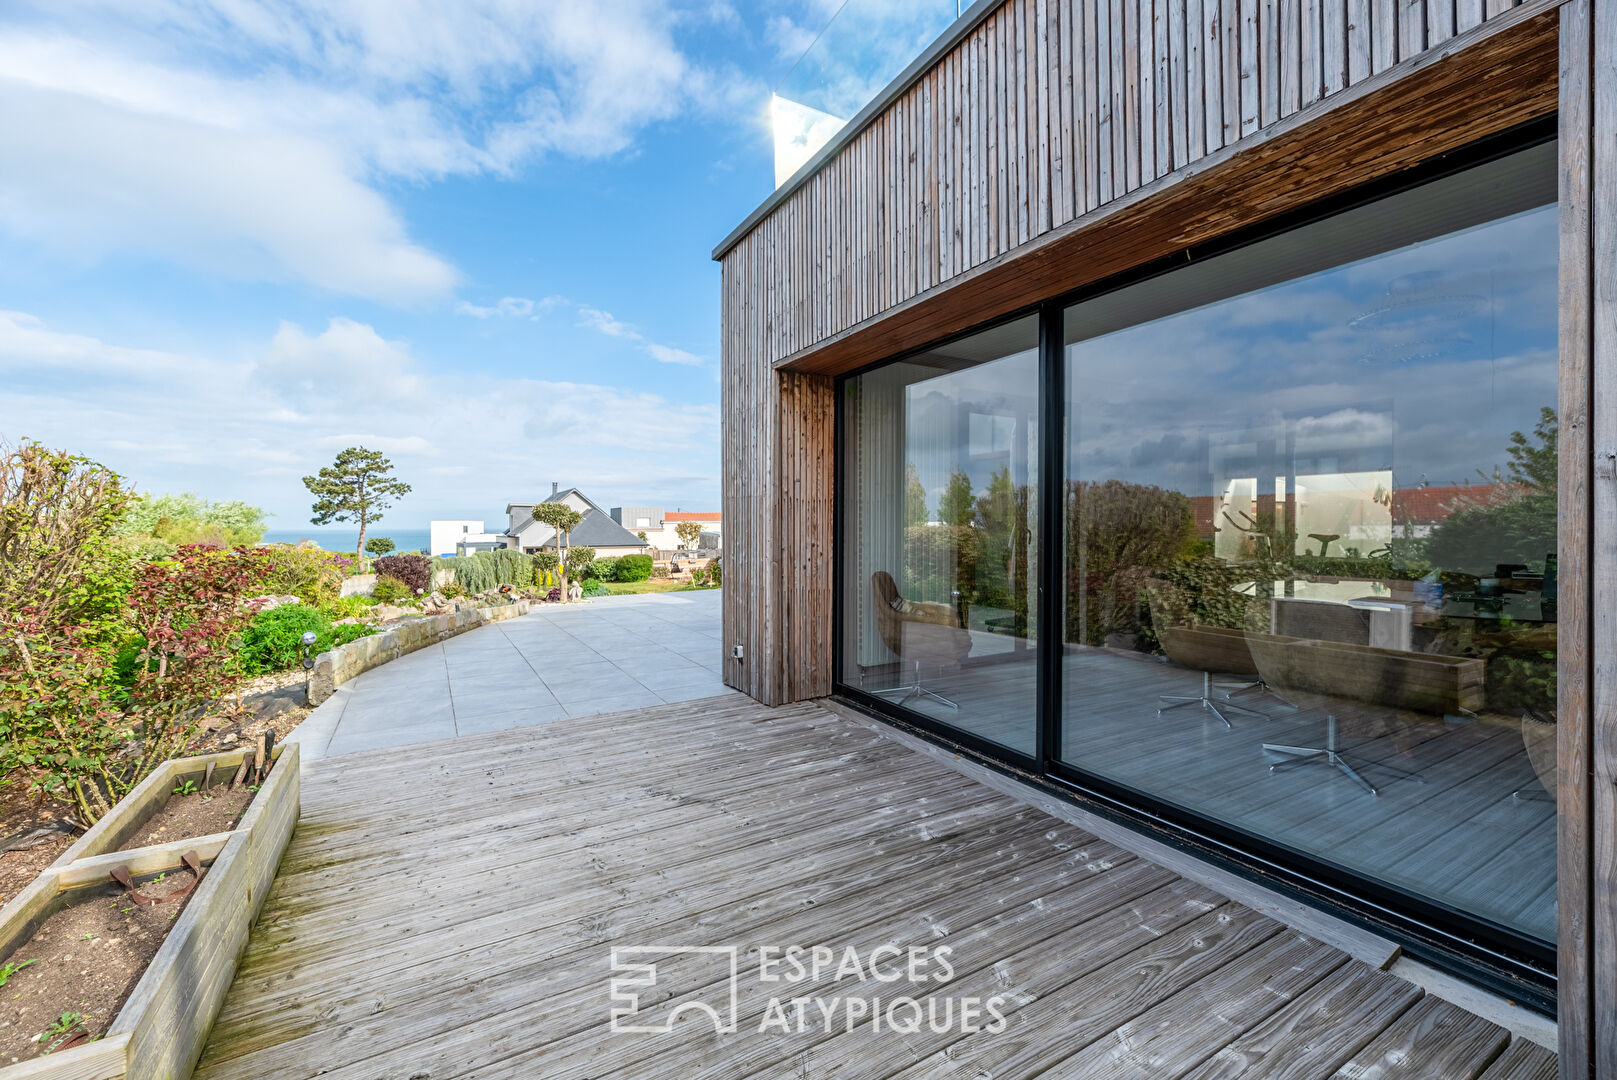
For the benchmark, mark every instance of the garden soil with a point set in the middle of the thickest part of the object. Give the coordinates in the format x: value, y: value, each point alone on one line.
x: 86, y: 960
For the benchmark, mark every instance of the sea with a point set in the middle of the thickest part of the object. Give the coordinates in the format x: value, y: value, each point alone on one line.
x: 404, y: 540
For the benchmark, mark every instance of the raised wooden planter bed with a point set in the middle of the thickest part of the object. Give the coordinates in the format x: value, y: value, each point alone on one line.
x: 126, y: 820
x: 160, y: 1029
x: 1419, y: 682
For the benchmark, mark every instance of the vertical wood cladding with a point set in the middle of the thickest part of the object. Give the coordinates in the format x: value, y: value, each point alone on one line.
x: 1037, y: 121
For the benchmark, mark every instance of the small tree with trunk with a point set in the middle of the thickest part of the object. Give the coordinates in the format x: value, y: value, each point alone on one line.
x: 689, y: 532
x: 377, y: 546
x: 564, y: 519
x: 356, y: 487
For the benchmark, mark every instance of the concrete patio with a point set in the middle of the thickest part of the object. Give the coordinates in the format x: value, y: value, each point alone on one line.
x: 559, y: 661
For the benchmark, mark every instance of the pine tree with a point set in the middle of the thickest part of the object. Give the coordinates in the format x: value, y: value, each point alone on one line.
x: 356, y: 487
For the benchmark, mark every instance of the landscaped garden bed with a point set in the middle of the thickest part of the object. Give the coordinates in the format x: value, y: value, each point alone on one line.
x: 118, y: 957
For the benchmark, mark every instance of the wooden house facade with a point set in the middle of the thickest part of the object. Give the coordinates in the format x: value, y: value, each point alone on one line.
x: 1002, y: 245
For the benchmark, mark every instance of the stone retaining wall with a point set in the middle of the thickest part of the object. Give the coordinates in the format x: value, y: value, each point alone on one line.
x: 332, y: 669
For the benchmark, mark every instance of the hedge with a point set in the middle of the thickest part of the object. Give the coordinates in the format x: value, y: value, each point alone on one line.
x: 634, y: 568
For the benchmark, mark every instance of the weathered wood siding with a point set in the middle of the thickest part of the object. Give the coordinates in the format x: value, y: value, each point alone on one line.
x: 1048, y: 110
x: 1588, y: 752
x: 1031, y: 157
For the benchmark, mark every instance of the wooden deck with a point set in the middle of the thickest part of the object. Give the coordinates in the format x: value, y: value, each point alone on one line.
x: 449, y: 910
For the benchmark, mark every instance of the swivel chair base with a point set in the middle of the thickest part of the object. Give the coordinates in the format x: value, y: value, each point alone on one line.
x: 1205, y: 700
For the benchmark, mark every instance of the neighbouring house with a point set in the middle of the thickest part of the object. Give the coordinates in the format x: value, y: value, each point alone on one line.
x: 1074, y: 388
x: 598, y: 529
x: 463, y: 538
x: 661, y: 526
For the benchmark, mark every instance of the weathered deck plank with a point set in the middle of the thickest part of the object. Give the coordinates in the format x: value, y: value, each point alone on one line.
x: 451, y: 915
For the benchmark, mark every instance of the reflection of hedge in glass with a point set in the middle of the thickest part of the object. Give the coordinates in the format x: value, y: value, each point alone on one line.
x: 980, y: 550
x: 1514, y: 521
x: 1119, y: 536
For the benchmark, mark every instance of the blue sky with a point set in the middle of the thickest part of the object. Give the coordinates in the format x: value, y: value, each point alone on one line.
x: 237, y: 235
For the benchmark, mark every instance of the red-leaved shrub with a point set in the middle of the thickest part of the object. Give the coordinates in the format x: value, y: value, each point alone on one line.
x: 414, y: 570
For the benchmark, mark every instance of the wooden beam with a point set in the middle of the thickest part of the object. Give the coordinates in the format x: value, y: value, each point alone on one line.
x: 1575, y: 944
x: 1590, y: 41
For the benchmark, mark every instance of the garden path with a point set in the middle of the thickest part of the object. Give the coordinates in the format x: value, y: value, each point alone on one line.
x: 560, y: 660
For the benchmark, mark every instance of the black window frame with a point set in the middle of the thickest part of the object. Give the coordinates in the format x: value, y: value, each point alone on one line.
x: 1507, y: 962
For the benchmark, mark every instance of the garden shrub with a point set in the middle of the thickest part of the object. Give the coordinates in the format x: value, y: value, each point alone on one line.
x: 309, y: 574
x: 414, y: 570
x: 553, y: 595
x: 452, y: 590
x: 579, y: 560
x: 342, y: 635
x: 65, y: 582
x: 604, y: 569
x: 348, y: 607
x: 592, y: 587
x: 484, y: 570
x: 273, y: 641
x: 390, y: 590
x: 634, y: 567
x: 189, y: 612
x: 191, y: 519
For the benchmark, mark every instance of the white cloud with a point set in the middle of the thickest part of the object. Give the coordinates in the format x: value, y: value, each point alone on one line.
x: 591, y: 318
x: 509, y: 307
x: 466, y: 442
x: 252, y: 137
x: 663, y: 354
x: 27, y: 346
x: 606, y: 324
x: 348, y: 361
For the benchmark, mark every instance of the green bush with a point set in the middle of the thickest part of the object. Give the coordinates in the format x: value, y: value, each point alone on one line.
x: 592, y: 587
x: 390, y: 590
x: 634, y: 568
x: 309, y: 574
x: 273, y: 641
x: 348, y: 607
x: 603, y: 569
x: 342, y: 635
x: 484, y: 570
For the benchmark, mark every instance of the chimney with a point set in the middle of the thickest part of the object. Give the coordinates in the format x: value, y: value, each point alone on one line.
x: 553, y: 488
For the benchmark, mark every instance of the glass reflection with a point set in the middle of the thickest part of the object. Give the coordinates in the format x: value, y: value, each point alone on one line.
x: 1311, y: 547
x: 939, y: 519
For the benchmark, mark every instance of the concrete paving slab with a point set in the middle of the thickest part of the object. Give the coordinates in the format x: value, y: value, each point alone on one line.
x: 608, y: 655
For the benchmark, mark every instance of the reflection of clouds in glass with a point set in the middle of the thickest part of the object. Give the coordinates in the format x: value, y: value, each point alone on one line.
x: 1429, y: 356
x: 1343, y: 431
x: 937, y: 418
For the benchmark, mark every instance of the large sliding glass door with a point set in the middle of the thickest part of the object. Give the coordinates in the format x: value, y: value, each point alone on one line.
x: 1311, y: 538
x: 939, y: 515
x: 1303, y: 602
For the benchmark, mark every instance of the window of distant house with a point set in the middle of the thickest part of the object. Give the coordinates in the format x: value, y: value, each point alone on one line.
x: 642, y: 522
